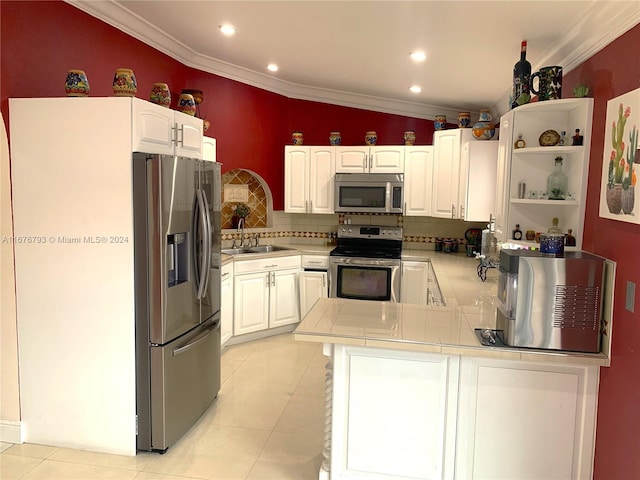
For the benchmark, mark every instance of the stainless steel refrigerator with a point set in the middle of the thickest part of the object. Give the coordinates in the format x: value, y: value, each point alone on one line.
x: 177, y: 289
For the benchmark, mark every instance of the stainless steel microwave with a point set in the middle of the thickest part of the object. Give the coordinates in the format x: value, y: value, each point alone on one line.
x: 369, y: 192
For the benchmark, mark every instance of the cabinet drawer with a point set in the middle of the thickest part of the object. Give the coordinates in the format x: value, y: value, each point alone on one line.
x: 315, y: 261
x: 226, y: 270
x: 267, y: 263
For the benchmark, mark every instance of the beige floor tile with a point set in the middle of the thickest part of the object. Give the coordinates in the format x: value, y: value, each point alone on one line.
x: 299, y: 353
x: 312, y: 382
x: 212, y: 452
x: 267, y: 470
x: 102, y: 459
x: 227, y: 368
x: 14, y: 467
x: 31, y: 450
x: 304, y: 414
x: 53, y: 470
x: 161, y: 476
x: 264, y: 378
x: 4, y: 446
x: 319, y: 360
x: 239, y: 352
x: 293, y: 448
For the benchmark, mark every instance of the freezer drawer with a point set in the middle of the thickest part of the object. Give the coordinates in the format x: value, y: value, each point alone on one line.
x: 185, y: 379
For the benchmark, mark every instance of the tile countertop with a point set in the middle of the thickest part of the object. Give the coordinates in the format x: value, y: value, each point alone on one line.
x: 470, y: 304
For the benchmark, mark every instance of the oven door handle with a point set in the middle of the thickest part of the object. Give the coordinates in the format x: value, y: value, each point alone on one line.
x: 365, y: 262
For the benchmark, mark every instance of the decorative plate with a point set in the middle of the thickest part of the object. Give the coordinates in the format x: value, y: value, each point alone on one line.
x: 549, y: 138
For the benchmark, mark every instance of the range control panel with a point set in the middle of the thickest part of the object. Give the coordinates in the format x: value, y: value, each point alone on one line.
x: 370, y: 231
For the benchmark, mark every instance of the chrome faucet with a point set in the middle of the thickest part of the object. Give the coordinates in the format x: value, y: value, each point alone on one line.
x: 241, y: 230
x: 256, y: 239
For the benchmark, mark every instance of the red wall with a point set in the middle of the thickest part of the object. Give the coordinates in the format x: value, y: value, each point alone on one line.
x: 609, y: 73
x: 42, y: 40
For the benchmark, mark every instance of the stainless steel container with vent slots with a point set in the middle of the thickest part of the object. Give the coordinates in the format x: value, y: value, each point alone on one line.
x: 550, y: 302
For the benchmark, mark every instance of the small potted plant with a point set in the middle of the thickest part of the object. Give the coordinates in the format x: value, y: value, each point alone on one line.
x: 242, y: 211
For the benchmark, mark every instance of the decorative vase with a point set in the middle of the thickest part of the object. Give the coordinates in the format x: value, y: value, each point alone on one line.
x: 124, y: 83
x: 370, y: 138
x: 160, y: 94
x: 335, y: 138
x: 557, y: 182
x: 186, y: 104
x: 296, y: 138
x: 464, y: 120
x: 76, y: 84
x: 409, y: 137
x: 614, y: 198
x: 440, y: 122
x: 627, y: 199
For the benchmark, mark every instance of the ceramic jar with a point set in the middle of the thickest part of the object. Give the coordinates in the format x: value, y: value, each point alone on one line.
x: 464, y: 120
x: 160, y: 94
x: 440, y: 122
x: 370, y: 138
x: 186, y: 104
x: 76, y: 84
x: 484, y: 130
x: 124, y: 83
x: 296, y: 138
x: 409, y: 137
x: 335, y: 138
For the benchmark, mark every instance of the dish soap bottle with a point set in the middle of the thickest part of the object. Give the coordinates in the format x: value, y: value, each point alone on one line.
x: 517, y: 233
x: 557, y: 182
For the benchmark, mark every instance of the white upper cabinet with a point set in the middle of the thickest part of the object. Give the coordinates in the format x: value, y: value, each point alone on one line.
x: 308, y: 181
x: 532, y: 165
x: 365, y: 159
x: 446, y: 171
x: 501, y: 206
x: 158, y: 129
x: 209, y: 149
x: 418, y: 169
x: 478, y: 170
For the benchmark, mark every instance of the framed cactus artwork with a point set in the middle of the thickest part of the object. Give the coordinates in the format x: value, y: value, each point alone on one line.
x: 619, y: 199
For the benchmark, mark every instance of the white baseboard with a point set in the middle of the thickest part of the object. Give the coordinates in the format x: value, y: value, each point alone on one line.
x: 11, y: 432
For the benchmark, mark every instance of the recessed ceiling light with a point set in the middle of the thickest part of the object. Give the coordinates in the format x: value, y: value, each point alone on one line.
x: 227, y: 29
x: 415, y: 89
x: 418, y: 56
x: 272, y: 67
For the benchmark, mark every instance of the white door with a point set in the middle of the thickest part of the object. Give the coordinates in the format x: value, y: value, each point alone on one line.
x: 446, y: 169
x: 153, y: 128
x: 313, y: 285
x: 188, y: 135
x: 352, y: 159
x: 251, y: 303
x: 413, y: 283
x: 501, y: 211
x: 386, y: 159
x: 283, y: 308
x: 296, y: 179
x: 209, y: 149
x: 321, y: 172
x: 418, y: 172
x: 479, y: 169
x: 226, y: 303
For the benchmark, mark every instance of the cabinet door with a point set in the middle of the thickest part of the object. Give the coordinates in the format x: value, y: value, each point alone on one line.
x: 321, y: 172
x: 209, y: 149
x: 296, y: 179
x: 226, y: 304
x: 152, y: 128
x: 313, y: 285
x: 386, y: 159
x: 352, y: 159
x: 418, y: 170
x: 251, y: 303
x: 283, y: 308
x: 413, y: 284
x: 188, y: 138
x: 478, y: 173
x: 446, y: 170
x: 540, y: 417
x: 505, y: 146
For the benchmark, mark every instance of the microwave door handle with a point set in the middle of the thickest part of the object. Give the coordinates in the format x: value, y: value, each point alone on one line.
x: 387, y: 200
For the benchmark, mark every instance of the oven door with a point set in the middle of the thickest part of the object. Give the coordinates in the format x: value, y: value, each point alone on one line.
x: 364, y: 278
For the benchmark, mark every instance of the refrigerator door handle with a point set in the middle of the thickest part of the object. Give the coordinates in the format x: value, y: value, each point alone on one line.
x: 200, y: 272
x: 208, y: 242
x: 199, y: 339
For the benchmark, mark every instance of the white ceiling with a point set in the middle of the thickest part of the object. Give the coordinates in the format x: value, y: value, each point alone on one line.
x: 356, y: 53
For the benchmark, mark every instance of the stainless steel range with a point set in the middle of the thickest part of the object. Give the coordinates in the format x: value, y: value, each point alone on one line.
x: 366, y: 263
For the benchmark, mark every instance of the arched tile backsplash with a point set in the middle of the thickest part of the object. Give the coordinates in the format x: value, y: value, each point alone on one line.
x: 258, y: 199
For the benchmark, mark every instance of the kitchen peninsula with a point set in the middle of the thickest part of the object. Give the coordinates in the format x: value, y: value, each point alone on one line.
x: 411, y: 392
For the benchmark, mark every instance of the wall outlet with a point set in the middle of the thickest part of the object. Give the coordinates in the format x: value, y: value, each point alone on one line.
x: 631, y: 296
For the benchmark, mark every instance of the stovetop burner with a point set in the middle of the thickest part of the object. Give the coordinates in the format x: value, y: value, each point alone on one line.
x: 369, y: 241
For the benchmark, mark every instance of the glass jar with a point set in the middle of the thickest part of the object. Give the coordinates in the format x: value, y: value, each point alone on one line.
x: 557, y: 182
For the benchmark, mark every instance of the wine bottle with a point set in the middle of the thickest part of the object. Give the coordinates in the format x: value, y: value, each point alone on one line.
x: 521, y: 75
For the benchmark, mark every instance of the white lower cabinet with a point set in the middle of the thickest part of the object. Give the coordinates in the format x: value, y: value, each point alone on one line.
x: 226, y: 303
x: 265, y: 293
x: 314, y: 281
x: 414, y: 282
x: 420, y: 415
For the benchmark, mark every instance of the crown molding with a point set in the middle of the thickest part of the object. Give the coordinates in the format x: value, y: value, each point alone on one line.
x: 618, y: 17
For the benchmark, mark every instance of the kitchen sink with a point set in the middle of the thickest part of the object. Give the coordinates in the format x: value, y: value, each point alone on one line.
x: 258, y: 249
